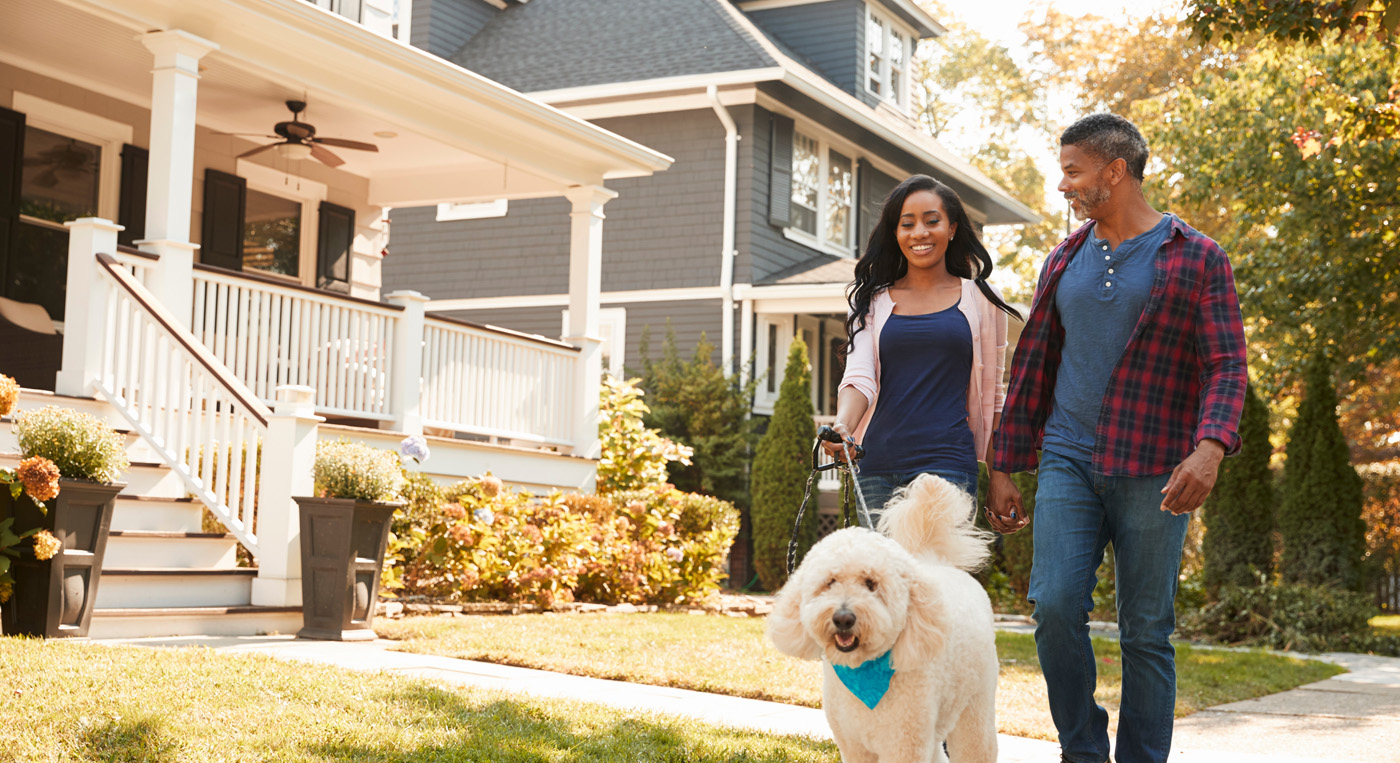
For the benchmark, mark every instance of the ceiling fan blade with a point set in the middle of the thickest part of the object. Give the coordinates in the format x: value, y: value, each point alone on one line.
x: 327, y: 158
x: 343, y: 143
x: 258, y: 150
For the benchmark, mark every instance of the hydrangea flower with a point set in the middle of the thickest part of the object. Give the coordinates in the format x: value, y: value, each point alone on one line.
x: 484, y: 515
x: 46, y: 545
x: 415, y: 447
x: 675, y: 554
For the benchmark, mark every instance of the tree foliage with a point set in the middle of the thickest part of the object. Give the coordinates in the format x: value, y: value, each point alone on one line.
x: 694, y: 403
x: 1239, y: 514
x: 1320, y: 507
x: 634, y: 455
x: 780, y: 468
x: 1304, y: 20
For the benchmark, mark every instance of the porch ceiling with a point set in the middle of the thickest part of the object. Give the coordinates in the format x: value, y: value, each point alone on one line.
x: 458, y: 136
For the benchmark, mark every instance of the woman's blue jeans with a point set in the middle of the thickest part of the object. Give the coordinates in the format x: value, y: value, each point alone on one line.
x: 878, y: 488
x: 1076, y: 515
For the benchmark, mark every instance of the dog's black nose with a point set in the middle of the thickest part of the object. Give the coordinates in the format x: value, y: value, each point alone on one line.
x: 844, y: 619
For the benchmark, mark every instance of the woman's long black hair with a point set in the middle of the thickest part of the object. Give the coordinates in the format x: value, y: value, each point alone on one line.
x: 883, y: 262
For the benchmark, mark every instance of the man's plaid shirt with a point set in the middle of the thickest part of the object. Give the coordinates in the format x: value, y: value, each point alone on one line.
x: 1180, y: 380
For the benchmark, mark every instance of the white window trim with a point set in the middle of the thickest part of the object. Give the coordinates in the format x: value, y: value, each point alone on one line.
x: 763, y: 400
x: 448, y: 211
x: 75, y: 123
x: 890, y: 25
x: 615, y: 345
x: 309, y: 193
x: 819, y: 241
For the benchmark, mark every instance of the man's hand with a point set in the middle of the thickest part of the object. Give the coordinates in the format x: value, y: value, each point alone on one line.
x: 1005, y: 512
x: 1192, y: 479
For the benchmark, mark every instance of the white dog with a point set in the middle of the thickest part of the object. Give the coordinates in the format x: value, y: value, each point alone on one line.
x: 903, y: 599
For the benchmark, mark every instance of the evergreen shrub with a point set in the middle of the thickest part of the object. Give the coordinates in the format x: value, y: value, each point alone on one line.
x: 781, y: 464
x: 1239, y: 514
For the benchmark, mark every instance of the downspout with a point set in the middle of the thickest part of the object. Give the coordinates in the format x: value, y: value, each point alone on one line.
x: 727, y: 254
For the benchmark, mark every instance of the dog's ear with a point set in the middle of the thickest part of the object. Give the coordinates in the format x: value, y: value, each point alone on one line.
x: 785, y: 628
x: 924, y: 623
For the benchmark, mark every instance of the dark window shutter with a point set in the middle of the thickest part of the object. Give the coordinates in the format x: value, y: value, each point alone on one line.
x: 780, y: 173
x: 225, y: 205
x: 333, y: 249
x: 11, y: 162
x: 131, y: 206
x: 872, y: 186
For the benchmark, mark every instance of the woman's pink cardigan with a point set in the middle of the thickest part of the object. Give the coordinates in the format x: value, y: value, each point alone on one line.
x: 985, y: 391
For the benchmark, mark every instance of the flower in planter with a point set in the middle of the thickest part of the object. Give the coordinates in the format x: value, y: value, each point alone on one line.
x: 414, y: 447
x: 355, y: 470
x: 46, y: 545
x: 39, y: 477
x: 9, y: 394
x: 81, y: 446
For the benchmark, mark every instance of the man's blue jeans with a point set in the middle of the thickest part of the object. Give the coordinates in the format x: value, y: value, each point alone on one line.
x: 879, y: 488
x: 1076, y: 516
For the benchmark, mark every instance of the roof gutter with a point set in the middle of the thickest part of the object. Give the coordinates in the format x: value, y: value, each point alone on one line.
x: 727, y: 253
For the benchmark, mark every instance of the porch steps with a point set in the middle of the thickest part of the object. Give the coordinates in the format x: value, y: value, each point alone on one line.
x: 163, y: 575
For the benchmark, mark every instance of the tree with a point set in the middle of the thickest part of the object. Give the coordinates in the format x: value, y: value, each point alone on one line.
x: 694, y: 403
x: 780, y: 468
x: 1320, y: 507
x: 1239, y: 514
x: 634, y: 455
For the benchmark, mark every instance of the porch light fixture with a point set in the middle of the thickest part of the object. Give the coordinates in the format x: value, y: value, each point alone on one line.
x: 294, y: 151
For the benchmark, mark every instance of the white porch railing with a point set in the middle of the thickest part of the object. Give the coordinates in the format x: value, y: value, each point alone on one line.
x: 190, y: 409
x: 500, y: 383
x: 271, y: 334
x: 136, y: 262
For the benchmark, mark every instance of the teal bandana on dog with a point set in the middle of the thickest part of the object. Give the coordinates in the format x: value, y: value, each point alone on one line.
x: 869, y: 681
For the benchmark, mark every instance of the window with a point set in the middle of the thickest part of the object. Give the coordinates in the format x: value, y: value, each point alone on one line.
x: 887, y: 60
x: 272, y: 234
x: 823, y: 192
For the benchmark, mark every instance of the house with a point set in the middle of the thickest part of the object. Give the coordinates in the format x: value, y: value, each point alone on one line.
x: 193, y: 204
x: 789, y: 121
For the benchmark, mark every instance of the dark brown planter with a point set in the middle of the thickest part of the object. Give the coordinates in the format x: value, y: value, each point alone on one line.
x: 54, y: 598
x: 342, y: 555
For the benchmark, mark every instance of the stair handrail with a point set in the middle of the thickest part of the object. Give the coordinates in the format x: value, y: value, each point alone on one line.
x: 164, y: 424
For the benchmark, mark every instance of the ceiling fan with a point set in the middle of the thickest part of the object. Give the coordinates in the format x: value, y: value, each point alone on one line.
x: 299, y: 140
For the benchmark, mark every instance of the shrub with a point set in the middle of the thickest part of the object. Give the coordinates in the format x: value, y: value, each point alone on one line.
x: 1320, y: 506
x: 1239, y: 514
x: 1014, y: 552
x: 694, y: 403
x: 355, y: 470
x: 422, y: 499
x: 1297, y: 617
x: 81, y: 446
x: 634, y: 456
x: 780, y: 468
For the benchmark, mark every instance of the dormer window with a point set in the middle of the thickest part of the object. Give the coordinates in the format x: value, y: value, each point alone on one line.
x: 887, y: 59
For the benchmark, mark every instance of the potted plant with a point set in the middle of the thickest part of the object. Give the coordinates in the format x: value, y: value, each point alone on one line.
x: 62, y: 495
x: 344, y: 531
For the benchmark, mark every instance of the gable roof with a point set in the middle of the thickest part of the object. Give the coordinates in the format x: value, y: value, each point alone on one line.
x: 555, y: 44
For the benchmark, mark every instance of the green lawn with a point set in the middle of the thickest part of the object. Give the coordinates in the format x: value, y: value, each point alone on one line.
x: 730, y: 655
x: 67, y: 701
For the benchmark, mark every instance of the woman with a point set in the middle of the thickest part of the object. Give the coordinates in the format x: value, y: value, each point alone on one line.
x: 923, y: 385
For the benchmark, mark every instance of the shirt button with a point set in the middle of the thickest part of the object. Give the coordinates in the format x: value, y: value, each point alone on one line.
x: 1107, y: 283
x: 1106, y: 258
x: 1105, y: 247
x: 1110, y: 270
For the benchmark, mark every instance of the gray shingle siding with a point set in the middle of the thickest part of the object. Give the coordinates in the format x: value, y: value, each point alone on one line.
x: 441, y: 27
x: 689, y: 320
x: 829, y: 36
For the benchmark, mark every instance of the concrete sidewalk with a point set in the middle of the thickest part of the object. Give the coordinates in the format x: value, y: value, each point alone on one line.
x: 1353, y: 717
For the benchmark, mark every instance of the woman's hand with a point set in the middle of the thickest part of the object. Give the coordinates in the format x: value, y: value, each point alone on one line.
x: 1005, y: 512
x: 834, y: 449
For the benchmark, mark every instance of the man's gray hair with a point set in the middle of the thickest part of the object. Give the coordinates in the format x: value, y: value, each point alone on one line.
x: 1109, y: 137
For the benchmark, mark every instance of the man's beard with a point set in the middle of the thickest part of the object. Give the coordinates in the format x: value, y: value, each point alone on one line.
x: 1089, y: 199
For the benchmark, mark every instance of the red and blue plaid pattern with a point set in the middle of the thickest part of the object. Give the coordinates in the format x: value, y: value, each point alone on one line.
x: 1180, y: 380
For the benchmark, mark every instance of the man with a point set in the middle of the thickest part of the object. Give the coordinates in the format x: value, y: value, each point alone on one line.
x: 1129, y: 378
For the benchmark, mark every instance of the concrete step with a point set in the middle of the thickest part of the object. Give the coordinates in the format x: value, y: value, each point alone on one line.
x: 146, y: 622
x: 185, y: 550
x: 154, y: 513
x: 141, y: 587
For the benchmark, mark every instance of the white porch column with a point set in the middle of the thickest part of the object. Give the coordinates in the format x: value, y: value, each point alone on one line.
x: 746, y: 358
x: 84, y: 306
x: 288, y: 455
x: 405, y: 384
x: 585, y: 290
x: 171, y: 173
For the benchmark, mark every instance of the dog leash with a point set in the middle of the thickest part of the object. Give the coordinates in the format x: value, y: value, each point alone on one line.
x: 848, y: 471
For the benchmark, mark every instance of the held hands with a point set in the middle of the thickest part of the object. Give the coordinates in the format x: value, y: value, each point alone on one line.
x: 834, y: 449
x: 1192, y: 479
x: 1005, y: 512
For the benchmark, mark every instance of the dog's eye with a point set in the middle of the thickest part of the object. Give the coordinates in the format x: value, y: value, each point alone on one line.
x: 831, y: 582
x: 871, y: 584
